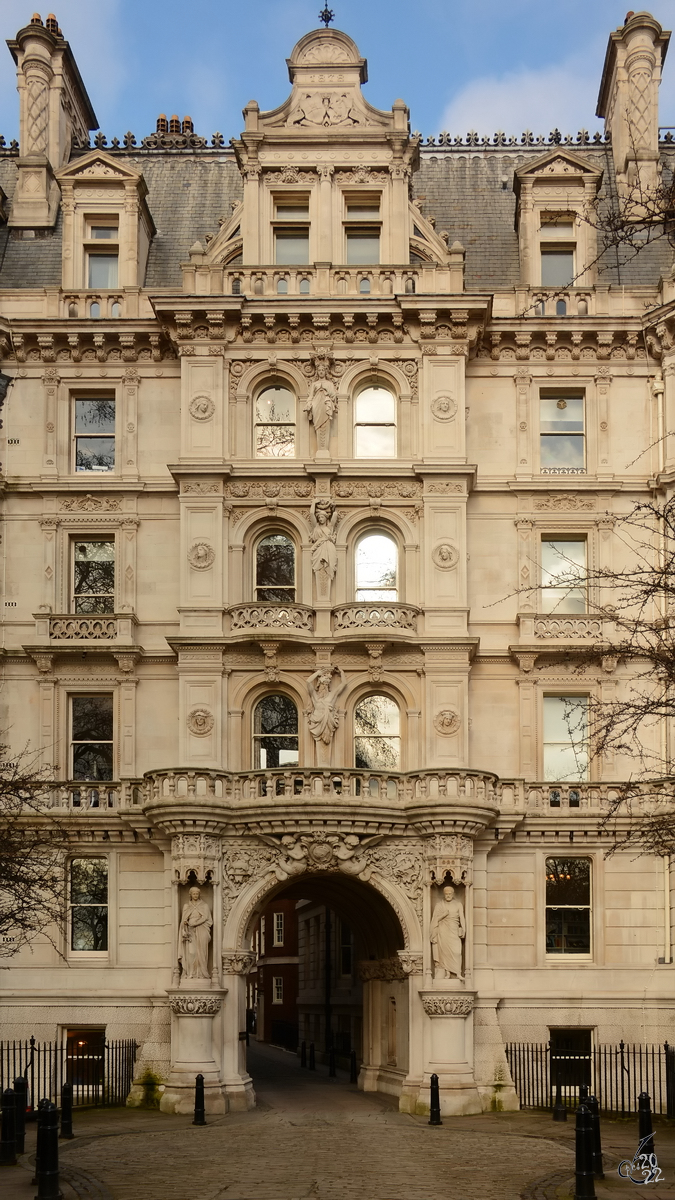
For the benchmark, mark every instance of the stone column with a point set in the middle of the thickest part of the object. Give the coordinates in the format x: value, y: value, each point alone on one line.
x: 196, y: 1026
x: 237, y: 1082
x: 449, y: 1050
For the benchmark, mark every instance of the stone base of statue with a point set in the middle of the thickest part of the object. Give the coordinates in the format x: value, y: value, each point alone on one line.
x: 195, y: 1035
x: 449, y: 1049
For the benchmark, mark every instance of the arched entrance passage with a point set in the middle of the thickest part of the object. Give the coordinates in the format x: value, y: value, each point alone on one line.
x: 337, y: 951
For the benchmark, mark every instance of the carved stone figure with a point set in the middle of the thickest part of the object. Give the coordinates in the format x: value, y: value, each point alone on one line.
x: 447, y: 930
x: 323, y: 718
x: 322, y: 406
x: 194, y: 936
x: 323, y: 519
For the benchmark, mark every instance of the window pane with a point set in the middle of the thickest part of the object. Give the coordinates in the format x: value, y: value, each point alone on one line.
x: 92, y: 718
x: 377, y: 716
x: 363, y: 247
x: 363, y: 209
x: 275, y: 569
x: 275, y: 423
x: 94, y: 577
x: 105, y: 232
x: 276, y: 714
x: 376, y: 568
x: 560, y: 230
x: 568, y: 931
x: 562, y: 451
x: 561, y: 414
x: 377, y: 754
x: 565, y: 737
x: 93, y: 762
x: 375, y: 441
x: 292, y: 247
x: 102, y: 271
x: 557, y: 268
x: 89, y: 881
x: 562, y: 563
x: 89, y: 928
x: 568, y: 881
x: 375, y: 406
x: 292, y: 210
x: 95, y: 416
x: 275, y: 441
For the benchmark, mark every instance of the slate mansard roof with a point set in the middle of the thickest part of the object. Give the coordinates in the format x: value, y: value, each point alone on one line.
x: 467, y: 190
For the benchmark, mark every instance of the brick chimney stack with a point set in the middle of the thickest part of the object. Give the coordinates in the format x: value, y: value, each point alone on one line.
x: 55, y: 110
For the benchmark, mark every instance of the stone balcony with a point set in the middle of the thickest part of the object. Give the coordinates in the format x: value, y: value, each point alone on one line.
x: 280, y: 618
x: 69, y: 629
x: 203, y: 278
x: 100, y: 797
x: 561, y: 628
x: 361, y: 617
x: 375, y: 616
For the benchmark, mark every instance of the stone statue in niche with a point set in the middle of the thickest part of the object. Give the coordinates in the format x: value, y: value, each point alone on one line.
x: 194, y: 935
x: 323, y: 716
x: 447, y: 931
x: 323, y: 519
x: 322, y: 406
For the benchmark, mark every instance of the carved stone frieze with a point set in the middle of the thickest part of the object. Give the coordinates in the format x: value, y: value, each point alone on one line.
x: 90, y: 504
x: 567, y: 502
x: 241, y: 489
x: 370, y: 489
x: 449, y: 1004
x: 388, y: 969
x: 195, y: 1006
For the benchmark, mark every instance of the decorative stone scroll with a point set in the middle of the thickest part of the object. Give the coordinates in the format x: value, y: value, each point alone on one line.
x: 195, y: 1006
x: 442, y: 1005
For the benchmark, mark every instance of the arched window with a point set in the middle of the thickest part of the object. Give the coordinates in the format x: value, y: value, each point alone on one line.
x: 375, y: 423
x: 377, y: 734
x: 275, y: 733
x: 377, y: 568
x: 275, y: 569
x: 275, y: 423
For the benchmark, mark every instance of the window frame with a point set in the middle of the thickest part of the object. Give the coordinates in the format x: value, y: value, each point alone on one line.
x: 376, y: 531
x: 87, y: 539
x: 572, y: 697
x: 277, y: 989
x: 280, y: 385
x: 92, y: 396
x: 275, y: 532
x: 369, y: 694
x: 563, y: 394
x: 557, y: 235
x: 364, y: 386
x: 90, y: 955
x: 94, y: 247
x: 365, y: 221
x: 255, y: 738
x: 556, y: 610
x: 85, y: 693
x: 580, y: 956
x: 279, y: 929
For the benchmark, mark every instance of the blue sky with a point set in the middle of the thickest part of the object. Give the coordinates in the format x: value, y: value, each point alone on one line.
x: 458, y: 64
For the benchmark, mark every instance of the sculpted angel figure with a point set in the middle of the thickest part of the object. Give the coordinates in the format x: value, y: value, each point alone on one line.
x: 324, y: 694
x: 447, y: 930
x: 194, y: 935
x: 323, y: 519
x: 322, y: 405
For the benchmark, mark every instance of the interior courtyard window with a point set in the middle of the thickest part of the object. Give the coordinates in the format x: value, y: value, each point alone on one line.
x: 566, y: 738
x: 275, y: 733
x: 92, y: 737
x: 377, y: 734
x: 275, y: 423
x: 568, y: 906
x: 95, y: 435
x: 561, y: 434
x: 375, y: 423
x: 275, y: 569
x: 557, y: 249
x: 89, y: 904
x: 94, y: 577
x: 377, y: 568
x: 278, y: 990
x: 563, y: 574
x: 278, y: 929
x: 291, y: 232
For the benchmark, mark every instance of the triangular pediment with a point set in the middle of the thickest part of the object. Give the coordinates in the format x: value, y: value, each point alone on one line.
x: 559, y: 163
x: 98, y: 165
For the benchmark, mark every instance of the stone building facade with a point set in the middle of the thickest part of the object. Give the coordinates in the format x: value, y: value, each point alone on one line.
x: 298, y: 424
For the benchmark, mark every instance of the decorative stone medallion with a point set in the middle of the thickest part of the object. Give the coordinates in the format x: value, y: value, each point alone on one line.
x: 447, y: 1005
x: 447, y: 721
x: 445, y: 556
x: 444, y: 408
x: 201, y: 556
x: 195, y: 1006
x: 200, y: 722
x: 202, y: 408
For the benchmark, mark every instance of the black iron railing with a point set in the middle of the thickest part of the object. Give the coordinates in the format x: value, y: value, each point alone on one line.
x: 103, y: 1077
x: 615, y: 1074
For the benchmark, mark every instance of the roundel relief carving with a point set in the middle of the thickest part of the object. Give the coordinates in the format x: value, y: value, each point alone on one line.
x: 201, y: 555
x: 447, y: 721
x: 444, y: 408
x: 200, y: 722
x: 445, y: 556
x: 202, y: 408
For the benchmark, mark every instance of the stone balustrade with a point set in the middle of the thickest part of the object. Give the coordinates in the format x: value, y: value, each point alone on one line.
x: 271, y: 616
x: 552, y: 627
x: 546, y: 798
x: 97, y: 797
x: 114, y: 628
x: 375, y: 614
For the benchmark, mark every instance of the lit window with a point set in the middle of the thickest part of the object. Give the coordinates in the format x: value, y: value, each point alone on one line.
x: 375, y: 423
x: 92, y: 737
x: 89, y: 904
x: 565, y: 737
x: 277, y: 989
x: 275, y: 733
x: 561, y: 428
x: 278, y: 929
x: 95, y: 435
x: 568, y: 906
x: 275, y: 423
x: 275, y: 569
x: 94, y: 577
x: 377, y: 734
x: 563, y: 574
x: 377, y: 568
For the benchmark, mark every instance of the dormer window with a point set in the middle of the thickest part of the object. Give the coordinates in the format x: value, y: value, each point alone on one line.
x: 101, y: 249
x: 291, y: 231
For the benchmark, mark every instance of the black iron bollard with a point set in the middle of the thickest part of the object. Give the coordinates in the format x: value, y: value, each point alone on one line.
x: 8, y: 1135
x: 594, y: 1109
x: 48, y: 1165
x: 584, y: 1188
x: 645, y: 1130
x: 303, y: 1054
x: 38, y: 1140
x: 434, y: 1102
x: 559, y: 1109
x: 67, y: 1111
x: 331, y: 1062
x: 20, y: 1096
x: 583, y: 1094
x: 199, y: 1117
x: 312, y: 1059
x: 353, y: 1069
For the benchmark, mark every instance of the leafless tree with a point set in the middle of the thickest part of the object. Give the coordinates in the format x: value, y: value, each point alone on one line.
x: 32, y: 854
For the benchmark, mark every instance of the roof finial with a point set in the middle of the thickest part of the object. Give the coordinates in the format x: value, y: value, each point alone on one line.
x: 326, y: 15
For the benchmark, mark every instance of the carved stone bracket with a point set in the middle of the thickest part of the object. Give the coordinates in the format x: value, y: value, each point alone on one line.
x: 188, y: 1005
x: 449, y: 855
x: 444, y: 1004
x: 238, y: 962
x: 412, y: 962
x: 195, y: 854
